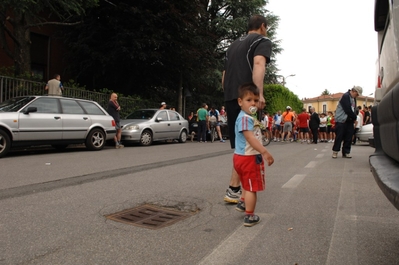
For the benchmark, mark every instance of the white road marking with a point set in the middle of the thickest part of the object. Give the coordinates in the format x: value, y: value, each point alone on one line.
x: 345, y: 226
x: 293, y: 182
x: 311, y: 164
x: 319, y: 155
x: 232, y: 247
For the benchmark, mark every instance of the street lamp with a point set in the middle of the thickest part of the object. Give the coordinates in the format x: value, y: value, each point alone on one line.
x: 367, y: 97
x: 284, y: 78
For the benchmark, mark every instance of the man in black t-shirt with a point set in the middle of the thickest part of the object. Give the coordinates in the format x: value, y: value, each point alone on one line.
x: 366, y: 118
x: 245, y: 62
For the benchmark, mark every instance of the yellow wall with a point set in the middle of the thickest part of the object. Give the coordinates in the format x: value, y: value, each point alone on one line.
x: 331, y: 103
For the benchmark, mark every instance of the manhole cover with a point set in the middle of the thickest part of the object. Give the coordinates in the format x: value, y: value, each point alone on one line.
x: 149, y: 216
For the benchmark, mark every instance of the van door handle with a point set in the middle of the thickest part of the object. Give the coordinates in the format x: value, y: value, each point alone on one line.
x: 57, y: 118
x: 85, y: 118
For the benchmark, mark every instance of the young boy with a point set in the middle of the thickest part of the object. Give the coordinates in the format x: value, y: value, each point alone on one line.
x: 249, y: 153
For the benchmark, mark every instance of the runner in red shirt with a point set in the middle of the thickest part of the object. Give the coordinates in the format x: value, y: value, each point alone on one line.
x: 304, y: 126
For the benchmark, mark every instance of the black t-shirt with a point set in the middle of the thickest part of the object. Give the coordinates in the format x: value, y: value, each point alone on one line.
x: 240, y: 59
x: 366, y: 114
x: 112, y: 110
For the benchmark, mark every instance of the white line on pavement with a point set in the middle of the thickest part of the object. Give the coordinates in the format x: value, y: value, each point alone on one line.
x: 311, y: 164
x: 293, y: 182
x: 233, y: 246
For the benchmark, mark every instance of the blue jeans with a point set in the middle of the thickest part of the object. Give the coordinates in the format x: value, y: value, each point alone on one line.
x: 201, y: 136
x: 343, y: 132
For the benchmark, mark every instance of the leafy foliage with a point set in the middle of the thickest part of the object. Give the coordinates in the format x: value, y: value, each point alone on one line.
x: 154, y: 48
x: 279, y: 97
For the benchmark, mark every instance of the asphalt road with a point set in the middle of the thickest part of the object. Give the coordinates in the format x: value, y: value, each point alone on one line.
x: 315, y: 209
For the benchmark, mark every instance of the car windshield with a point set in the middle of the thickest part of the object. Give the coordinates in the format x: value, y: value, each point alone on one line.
x: 141, y: 114
x: 14, y: 104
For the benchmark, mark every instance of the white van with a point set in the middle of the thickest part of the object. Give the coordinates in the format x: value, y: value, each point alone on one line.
x: 384, y: 163
x: 386, y: 23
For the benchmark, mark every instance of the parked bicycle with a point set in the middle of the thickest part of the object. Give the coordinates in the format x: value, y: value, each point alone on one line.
x: 266, y: 137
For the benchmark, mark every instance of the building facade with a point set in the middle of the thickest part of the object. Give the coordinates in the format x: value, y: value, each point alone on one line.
x: 326, y: 103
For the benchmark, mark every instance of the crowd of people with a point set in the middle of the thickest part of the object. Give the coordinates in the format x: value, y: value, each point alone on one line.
x: 308, y: 126
x: 206, y: 118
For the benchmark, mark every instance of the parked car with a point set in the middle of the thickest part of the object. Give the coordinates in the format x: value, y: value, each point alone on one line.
x: 365, y: 133
x: 145, y: 126
x: 56, y: 121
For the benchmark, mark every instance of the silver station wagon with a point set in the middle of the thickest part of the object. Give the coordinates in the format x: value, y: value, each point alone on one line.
x: 56, y: 121
x: 147, y: 125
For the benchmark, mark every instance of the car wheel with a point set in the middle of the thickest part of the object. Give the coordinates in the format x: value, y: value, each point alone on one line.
x: 60, y: 146
x: 183, y: 136
x: 146, y: 138
x: 5, y: 143
x: 95, y: 140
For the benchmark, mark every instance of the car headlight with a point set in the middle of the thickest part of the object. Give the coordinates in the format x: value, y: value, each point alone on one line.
x: 130, y: 127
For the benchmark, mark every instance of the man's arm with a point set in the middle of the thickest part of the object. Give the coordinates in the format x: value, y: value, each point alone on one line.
x: 258, y: 74
x: 346, y: 106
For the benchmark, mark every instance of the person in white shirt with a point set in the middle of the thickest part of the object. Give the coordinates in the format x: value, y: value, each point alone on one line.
x: 358, y: 126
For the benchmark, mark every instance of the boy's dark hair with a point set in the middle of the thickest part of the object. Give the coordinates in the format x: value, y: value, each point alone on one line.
x: 247, y: 88
x: 256, y: 21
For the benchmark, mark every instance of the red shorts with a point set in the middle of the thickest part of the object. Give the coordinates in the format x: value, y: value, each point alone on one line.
x: 251, y: 170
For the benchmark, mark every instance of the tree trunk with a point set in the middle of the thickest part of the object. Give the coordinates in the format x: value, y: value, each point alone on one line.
x: 180, y: 95
x: 22, y: 58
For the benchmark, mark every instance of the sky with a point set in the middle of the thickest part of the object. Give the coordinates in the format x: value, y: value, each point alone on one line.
x: 327, y: 45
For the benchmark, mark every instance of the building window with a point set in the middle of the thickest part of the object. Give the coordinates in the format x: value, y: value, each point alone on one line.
x: 324, y: 108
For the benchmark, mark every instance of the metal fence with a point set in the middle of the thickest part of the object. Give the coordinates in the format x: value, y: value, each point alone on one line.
x: 14, y: 87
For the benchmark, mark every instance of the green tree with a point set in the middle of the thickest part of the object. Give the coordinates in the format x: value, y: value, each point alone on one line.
x: 279, y: 97
x: 325, y: 92
x: 19, y: 17
x: 154, y: 48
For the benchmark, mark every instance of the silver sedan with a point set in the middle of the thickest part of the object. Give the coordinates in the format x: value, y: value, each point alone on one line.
x: 56, y: 121
x: 145, y: 126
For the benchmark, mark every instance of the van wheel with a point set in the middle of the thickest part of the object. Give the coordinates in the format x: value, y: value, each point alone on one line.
x: 5, y: 143
x: 95, y: 140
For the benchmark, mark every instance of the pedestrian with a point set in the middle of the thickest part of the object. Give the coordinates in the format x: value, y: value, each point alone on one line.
x: 249, y: 154
x: 245, y: 61
x: 361, y: 113
x: 304, y: 126
x: 113, y: 110
x: 329, y: 127
x: 314, y: 122
x: 222, y: 111
x: 163, y: 105
x: 288, y: 118
x: 358, y: 126
x: 277, y: 126
x: 54, y: 86
x: 323, y: 128
x: 202, y: 118
x: 366, y: 117
x: 190, y: 116
x: 216, y: 122
x: 345, y: 117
